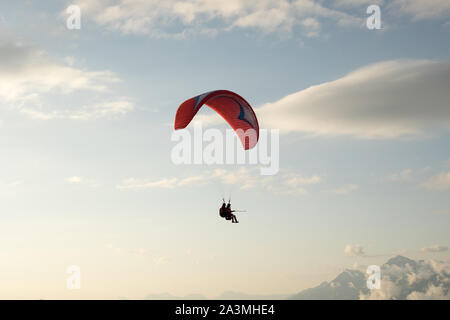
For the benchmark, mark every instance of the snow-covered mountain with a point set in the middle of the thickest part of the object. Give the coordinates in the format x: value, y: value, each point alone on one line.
x: 401, y: 278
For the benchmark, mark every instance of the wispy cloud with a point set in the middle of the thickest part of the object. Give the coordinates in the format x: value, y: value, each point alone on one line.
x: 447, y: 163
x: 81, y: 181
x: 209, y: 17
x: 180, y: 19
x: 160, y: 260
x: 346, y: 189
x: 414, y: 9
x: 356, y: 3
x: 74, y: 179
x: 402, y: 176
x: 354, y: 251
x: 434, y: 248
x: 438, y: 182
x: 30, y: 81
x: 420, y: 9
x: 285, y: 183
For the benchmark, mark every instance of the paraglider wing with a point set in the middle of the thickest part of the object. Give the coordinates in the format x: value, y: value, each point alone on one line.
x: 231, y: 106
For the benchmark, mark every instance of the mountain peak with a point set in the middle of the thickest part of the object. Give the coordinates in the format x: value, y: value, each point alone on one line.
x: 401, y: 261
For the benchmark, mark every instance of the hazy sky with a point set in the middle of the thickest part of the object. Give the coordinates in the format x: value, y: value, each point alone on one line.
x: 85, y: 144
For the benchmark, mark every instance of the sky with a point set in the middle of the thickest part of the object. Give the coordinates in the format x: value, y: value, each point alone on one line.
x: 86, y: 120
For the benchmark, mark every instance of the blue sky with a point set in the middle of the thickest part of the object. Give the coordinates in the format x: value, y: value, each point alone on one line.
x: 82, y: 111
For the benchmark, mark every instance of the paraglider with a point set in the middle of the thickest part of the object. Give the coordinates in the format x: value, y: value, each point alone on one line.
x: 231, y: 106
x: 226, y: 212
x: 236, y: 111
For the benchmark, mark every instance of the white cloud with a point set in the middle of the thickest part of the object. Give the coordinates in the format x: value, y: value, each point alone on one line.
x: 91, y: 112
x: 298, y: 180
x: 29, y: 80
x: 415, y: 9
x: 388, y: 290
x: 402, y: 176
x: 159, y: 18
x: 432, y: 293
x: 434, y: 248
x: 413, y: 280
x: 80, y: 180
x: 178, y: 19
x: 160, y: 260
x: 384, y: 100
x: 353, y: 251
x: 312, y: 26
x: 286, y: 183
x: 346, y: 189
x: 133, y: 183
x: 16, y: 183
x: 357, y: 3
x: 74, y: 179
x: 439, y: 182
x: 420, y: 9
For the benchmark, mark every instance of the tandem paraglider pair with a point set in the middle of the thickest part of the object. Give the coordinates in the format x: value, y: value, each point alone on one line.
x: 226, y: 212
x: 236, y: 111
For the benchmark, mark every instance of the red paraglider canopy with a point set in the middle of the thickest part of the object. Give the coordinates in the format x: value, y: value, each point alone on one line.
x: 231, y: 106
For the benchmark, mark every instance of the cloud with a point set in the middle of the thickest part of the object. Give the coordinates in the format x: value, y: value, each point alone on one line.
x: 345, y: 189
x: 16, y: 183
x: 286, y: 183
x: 91, y: 112
x: 402, y: 176
x: 439, y: 182
x: 356, y: 3
x: 390, y: 99
x: 432, y: 293
x: 299, y: 180
x: 435, y: 248
x: 74, y: 179
x: 413, y: 280
x: 444, y: 212
x: 401, y: 278
x: 420, y: 9
x: 80, y: 180
x: 178, y: 19
x: 353, y: 251
x: 312, y: 26
x: 133, y: 183
x: 414, y: 9
x: 31, y: 83
x: 160, y: 260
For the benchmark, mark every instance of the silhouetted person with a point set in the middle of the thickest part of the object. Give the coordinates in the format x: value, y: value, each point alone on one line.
x: 226, y: 212
x: 222, y: 211
x: 230, y: 213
